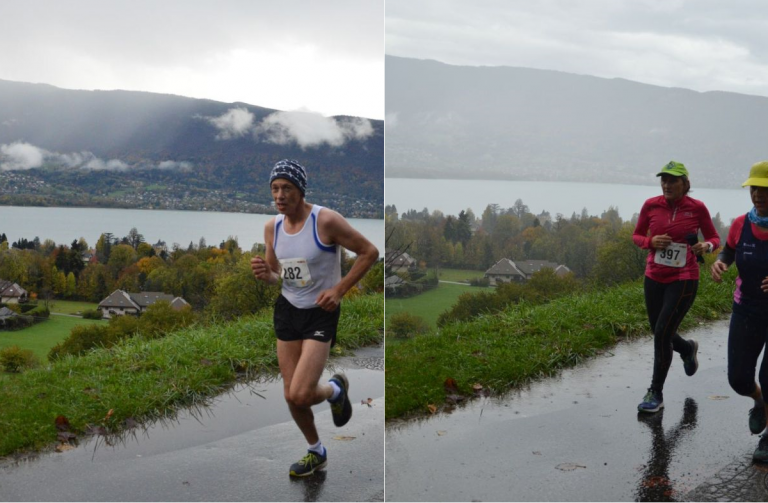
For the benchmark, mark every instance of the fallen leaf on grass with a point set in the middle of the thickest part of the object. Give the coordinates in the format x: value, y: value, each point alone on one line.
x: 64, y: 447
x: 109, y: 414
x: 451, y: 386
x: 432, y: 408
x: 718, y: 397
x: 477, y: 387
x: 568, y: 467
x: 440, y: 433
x: 62, y: 423
x: 345, y: 439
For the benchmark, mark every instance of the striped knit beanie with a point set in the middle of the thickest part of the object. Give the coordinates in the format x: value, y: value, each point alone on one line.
x: 291, y: 171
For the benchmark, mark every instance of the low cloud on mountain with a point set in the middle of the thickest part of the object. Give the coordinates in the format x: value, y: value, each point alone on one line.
x: 305, y: 128
x: 20, y: 156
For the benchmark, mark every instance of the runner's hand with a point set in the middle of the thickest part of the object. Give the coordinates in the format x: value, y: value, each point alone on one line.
x: 662, y: 241
x: 764, y: 286
x: 700, y: 248
x: 261, y: 269
x: 719, y: 267
x: 329, y: 299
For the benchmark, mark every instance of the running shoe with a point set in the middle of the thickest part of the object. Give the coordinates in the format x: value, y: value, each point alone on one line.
x: 691, y: 362
x: 341, y: 408
x: 307, y: 465
x: 652, y: 402
x: 761, y: 453
x: 757, y: 419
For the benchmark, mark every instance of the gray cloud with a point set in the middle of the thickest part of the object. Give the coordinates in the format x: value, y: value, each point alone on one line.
x: 19, y: 156
x: 696, y: 44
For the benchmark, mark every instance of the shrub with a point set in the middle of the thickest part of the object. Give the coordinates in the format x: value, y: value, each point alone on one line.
x: 93, y: 314
x: 405, y: 325
x: 14, y: 359
x: 480, y: 282
x: 81, y: 339
x: 39, y: 312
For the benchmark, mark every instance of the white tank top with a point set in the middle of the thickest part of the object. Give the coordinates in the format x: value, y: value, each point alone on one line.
x: 307, y: 265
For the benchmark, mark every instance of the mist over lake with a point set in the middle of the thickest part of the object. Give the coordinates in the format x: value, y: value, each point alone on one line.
x: 452, y: 196
x: 66, y: 224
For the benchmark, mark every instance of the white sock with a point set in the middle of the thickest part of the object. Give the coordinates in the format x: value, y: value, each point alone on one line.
x: 318, y: 448
x: 336, y: 391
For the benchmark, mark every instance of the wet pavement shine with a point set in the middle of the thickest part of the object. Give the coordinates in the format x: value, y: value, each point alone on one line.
x: 579, y: 437
x: 237, y: 449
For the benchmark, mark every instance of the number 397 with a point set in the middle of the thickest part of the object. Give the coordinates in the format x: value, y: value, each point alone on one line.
x: 670, y: 254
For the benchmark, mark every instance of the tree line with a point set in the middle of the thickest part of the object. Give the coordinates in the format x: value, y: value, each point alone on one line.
x: 217, y: 279
x: 597, y: 249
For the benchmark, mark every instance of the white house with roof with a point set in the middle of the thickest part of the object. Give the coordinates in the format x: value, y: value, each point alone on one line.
x: 12, y: 293
x: 505, y: 270
x: 120, y: 302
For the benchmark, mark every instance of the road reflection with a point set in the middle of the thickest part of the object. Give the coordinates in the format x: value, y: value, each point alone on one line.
x: 655, y: 485
x: 312, y: 485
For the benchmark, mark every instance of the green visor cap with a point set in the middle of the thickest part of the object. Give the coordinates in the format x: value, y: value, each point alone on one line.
x: 674, y: 169
x: 758, y: 175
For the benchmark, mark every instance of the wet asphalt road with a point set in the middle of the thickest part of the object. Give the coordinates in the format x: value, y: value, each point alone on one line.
x: 239, y: 449
x: 579, y: 437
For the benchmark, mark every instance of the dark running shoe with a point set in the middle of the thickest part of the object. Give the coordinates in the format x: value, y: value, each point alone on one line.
x: 341, y: 408
x: 652, y: 402
x: 691, y: 362
x: 757, y: 419
x: 307, y: 465
x: 761, y: 453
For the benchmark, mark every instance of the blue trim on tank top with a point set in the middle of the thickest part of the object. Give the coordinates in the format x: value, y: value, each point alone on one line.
x: 277, y: 233
x: 331, y: 249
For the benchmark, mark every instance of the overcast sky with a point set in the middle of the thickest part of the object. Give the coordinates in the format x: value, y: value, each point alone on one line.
x: 326, y: 57
x: 695, y: 44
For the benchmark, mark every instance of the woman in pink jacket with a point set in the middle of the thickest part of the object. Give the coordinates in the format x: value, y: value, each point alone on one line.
x: 668, y: 228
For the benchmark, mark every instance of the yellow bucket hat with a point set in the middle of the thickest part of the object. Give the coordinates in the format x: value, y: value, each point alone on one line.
x: 758, y: 175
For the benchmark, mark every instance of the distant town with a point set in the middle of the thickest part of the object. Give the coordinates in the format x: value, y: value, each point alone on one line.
x: 23, y: 189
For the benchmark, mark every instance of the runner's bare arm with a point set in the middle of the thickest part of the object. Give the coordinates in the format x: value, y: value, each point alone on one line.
x: 333, y: 228
x: 267, y: 269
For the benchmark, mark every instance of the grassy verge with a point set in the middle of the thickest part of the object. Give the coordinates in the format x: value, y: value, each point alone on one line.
x: 430, y: 304
x: 41, y: 337
x: 526, y: 342
x: 71, y: 306
x: 147, y: 379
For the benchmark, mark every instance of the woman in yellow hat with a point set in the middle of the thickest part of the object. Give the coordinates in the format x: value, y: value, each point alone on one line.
x: 747, y: 245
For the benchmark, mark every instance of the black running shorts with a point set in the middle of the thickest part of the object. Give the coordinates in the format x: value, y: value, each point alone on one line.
x: 294, y: 324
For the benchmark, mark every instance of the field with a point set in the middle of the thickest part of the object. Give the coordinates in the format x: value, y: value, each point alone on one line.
x: 431, y: 304
x: 71, y: 307
x: 460, y: 275
x: 41, y: 337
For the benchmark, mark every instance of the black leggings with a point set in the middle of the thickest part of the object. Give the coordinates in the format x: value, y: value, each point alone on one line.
x: 667, y: 305
x: 746, y: 339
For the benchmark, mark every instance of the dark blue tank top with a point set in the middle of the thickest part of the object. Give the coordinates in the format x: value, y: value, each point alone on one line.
x: 752, y: 262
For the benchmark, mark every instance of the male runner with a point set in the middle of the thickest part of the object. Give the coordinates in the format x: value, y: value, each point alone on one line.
x: 304, y: 249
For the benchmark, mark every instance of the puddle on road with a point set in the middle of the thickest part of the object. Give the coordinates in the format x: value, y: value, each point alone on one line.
x: 246, y: 407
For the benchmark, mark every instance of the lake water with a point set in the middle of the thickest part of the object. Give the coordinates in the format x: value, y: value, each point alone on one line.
x: 66, y: 224
x: 452, y: 196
